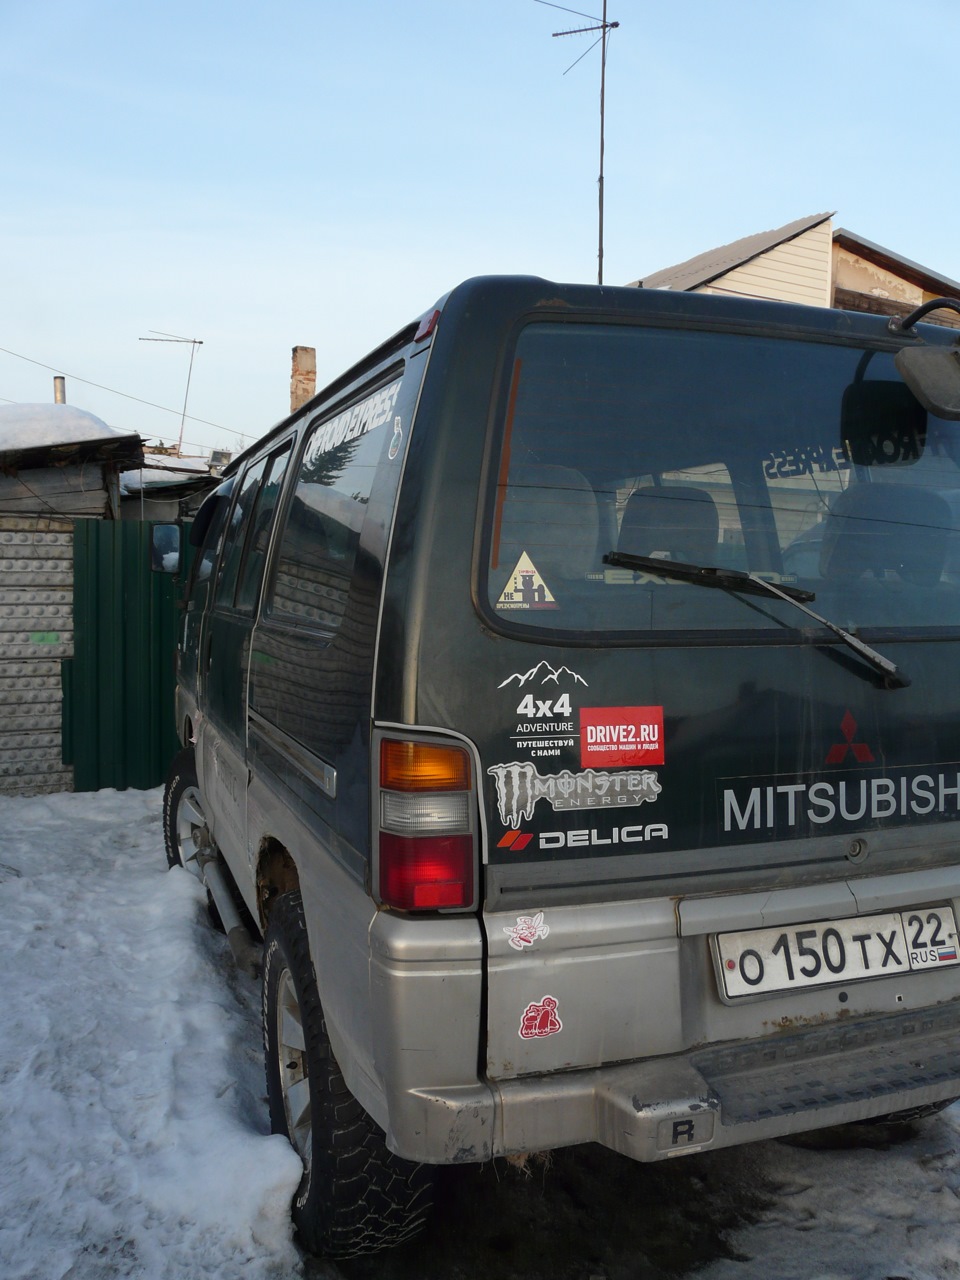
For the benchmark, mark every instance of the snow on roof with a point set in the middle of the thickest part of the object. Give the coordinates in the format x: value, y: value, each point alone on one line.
x: 161, y: 470
x: 42, y: 426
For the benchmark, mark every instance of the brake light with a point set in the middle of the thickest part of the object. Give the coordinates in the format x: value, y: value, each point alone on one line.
x: 426, y: 839
x: 427, y: 325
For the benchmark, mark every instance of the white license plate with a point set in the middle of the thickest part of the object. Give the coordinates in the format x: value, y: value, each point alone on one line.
x: 811, y: 955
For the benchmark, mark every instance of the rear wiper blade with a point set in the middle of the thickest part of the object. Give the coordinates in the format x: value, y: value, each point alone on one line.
x: 736, y: 580
x: 705, y: 574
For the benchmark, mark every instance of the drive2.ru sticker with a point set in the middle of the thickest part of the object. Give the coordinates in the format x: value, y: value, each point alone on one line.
x: 621, y: 737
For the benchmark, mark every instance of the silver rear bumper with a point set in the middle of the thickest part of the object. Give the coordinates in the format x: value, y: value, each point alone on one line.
x: 713, y: 1098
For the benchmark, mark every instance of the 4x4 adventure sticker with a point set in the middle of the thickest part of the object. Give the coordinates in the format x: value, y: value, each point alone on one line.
x: 544, y: 724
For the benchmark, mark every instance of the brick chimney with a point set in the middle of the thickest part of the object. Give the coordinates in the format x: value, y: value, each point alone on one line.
x: 303, y: 376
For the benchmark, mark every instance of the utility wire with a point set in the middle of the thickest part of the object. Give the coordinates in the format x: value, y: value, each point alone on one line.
x: 100, y: 387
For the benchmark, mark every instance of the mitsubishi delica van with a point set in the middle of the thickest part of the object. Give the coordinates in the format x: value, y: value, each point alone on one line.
x: 570, y: 701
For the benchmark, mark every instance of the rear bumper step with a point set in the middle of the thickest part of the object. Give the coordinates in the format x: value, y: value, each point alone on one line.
x: 847, y: 1064
x: 740, y: 1093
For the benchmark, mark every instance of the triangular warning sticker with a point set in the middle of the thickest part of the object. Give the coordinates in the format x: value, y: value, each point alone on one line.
x: 525, y: 588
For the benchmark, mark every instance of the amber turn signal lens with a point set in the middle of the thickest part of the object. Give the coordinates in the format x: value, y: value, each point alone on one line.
x: 421, y: 766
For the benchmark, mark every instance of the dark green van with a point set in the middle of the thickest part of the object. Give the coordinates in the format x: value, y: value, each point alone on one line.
x: 568, y: 697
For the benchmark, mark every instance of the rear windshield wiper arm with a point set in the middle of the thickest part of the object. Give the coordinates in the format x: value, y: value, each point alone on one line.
x: 736, y: 580
x: 705, y: 574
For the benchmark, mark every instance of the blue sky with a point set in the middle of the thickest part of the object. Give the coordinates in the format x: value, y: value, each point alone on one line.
x: 260, y: 175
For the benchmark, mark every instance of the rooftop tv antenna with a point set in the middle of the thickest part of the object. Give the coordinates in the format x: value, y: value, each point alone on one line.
x: 604, y: 27
x: 194, y: 343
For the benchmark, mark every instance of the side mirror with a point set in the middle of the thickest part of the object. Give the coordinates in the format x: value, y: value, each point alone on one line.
x: 165, y: 548
x: 933, y: 375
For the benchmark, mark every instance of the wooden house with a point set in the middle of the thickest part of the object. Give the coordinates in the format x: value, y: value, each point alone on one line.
x: 809, y: 261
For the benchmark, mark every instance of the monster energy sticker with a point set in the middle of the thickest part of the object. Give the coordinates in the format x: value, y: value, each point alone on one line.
x: 520, y: 786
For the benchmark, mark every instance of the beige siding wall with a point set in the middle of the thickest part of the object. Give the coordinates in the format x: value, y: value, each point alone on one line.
x: 798, y: 271
x: 858, y: 275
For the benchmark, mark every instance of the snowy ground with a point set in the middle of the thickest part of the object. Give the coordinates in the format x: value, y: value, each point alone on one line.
x: 134, y: 1143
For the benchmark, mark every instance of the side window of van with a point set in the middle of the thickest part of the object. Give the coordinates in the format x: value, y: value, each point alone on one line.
x: 207, y: 534
x: 258, y: 537
x: 236, y: 533
x: 318, y: 547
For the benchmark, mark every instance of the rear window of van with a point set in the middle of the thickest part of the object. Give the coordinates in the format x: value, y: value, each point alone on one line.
x: 806, y: 463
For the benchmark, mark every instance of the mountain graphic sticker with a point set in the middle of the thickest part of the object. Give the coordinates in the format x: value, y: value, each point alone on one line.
x: 545, y: 672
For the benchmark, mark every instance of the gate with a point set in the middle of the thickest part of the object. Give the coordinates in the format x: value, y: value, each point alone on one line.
x: 118, y: 716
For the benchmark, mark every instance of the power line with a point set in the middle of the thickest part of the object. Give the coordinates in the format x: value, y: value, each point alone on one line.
x: 112, y: 390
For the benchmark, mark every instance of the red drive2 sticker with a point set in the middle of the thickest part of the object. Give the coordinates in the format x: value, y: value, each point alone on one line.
x: 615, y: 737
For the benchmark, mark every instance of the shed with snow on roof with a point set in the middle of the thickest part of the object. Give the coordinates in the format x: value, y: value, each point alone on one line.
x: 58, y: 464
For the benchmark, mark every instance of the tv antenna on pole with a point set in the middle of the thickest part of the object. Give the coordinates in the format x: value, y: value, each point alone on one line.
x: 604, y: 27
x: 194, y: 343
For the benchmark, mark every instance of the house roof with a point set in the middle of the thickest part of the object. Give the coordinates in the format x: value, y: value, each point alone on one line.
x: 922, y: 277
x: 176, y: 476
x: 37, y: 435
x: 705, y: 267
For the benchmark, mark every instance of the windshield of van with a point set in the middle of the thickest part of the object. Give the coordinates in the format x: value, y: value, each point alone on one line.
x: 808, y: 464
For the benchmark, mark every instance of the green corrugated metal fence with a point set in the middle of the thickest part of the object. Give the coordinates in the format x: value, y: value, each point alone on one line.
x: 118, y: 721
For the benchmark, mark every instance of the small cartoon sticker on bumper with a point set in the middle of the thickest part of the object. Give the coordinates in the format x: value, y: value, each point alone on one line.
x: 540, y: 1019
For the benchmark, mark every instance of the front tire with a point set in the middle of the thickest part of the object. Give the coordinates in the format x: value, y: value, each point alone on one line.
x: 185, y: 830
x: 355, y: 1196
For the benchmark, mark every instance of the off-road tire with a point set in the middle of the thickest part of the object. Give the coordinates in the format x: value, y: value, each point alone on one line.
x: 355, y: 1196
x: 181, y: 784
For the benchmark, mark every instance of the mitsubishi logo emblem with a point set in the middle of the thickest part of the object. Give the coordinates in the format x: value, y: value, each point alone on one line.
x: 838, y: 752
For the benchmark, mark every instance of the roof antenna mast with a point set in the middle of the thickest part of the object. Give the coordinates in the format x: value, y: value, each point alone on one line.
x: 194, y: 343
x: 604, y: 27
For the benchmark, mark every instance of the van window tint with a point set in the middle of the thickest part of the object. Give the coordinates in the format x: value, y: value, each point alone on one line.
x: 237, y: 528
x: 207, y: 530
x: 318, y: 547
x: 802, y: 462
x: 261, y: 521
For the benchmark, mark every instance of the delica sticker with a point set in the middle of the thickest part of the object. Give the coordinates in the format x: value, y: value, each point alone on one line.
x: 525, y: 588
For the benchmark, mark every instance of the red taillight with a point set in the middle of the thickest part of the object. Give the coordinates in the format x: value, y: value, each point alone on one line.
x: 427, y: 325
x: 426, y: 820
x: 425, y: 873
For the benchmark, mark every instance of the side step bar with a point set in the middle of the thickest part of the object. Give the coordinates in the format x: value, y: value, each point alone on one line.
x: 245, y: 951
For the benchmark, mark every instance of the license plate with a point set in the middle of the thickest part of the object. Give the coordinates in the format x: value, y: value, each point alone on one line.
x: 812, y: 955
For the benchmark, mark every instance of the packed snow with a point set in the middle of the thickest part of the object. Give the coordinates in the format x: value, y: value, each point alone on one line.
x: 134, y: 1140
x: 42, y: 426
x: 162, y: 469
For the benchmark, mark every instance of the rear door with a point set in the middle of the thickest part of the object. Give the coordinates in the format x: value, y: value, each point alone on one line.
x: 654, y: 732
